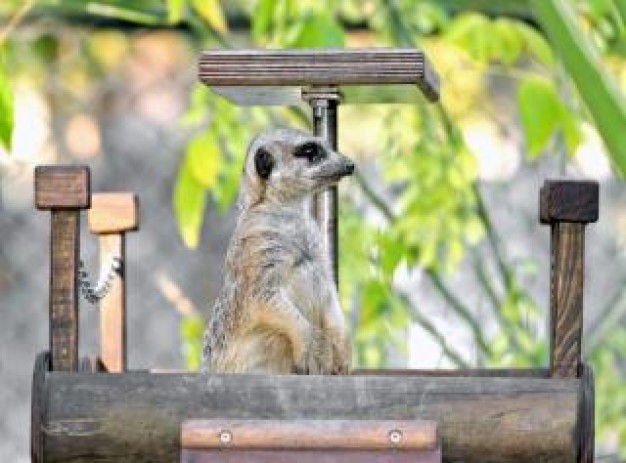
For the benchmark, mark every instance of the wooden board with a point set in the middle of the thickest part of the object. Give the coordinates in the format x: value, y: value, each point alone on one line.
x: 295, y: 69
x: 309, y: 434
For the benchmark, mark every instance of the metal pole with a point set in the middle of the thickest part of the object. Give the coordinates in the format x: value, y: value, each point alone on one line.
x: 325, y: 203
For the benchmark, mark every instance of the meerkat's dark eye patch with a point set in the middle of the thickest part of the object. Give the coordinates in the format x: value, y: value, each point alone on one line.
x: 312, y: 151
x: 263, y: 162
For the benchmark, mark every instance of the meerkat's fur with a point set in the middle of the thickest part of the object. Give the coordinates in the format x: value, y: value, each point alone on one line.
x: 278, y: 311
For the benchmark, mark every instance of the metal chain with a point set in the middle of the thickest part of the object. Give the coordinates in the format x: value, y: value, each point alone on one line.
x: 94, y: 293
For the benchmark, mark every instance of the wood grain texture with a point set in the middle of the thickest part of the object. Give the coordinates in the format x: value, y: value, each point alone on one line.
x: 566, y: 301
x: 62, y: 187
x: 113, y: 213
x: 325, y: 67
x: 311, y: 456
x: 569, y: 201
x: 309, y: 434
x: 64, y: 261
x: 37, y: 414
x: 586, y: 429
x: 136, y: 417
x: 113, y: 346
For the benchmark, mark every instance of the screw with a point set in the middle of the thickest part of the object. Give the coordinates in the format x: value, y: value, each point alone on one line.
x: 226, y: 437
x: 395, y: 436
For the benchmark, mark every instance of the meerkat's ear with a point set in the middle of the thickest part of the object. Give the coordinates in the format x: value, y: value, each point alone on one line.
x: 264, y: 162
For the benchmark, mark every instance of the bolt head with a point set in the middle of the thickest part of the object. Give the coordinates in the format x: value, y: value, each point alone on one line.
x: 395, y: 436
x: 226, y: 436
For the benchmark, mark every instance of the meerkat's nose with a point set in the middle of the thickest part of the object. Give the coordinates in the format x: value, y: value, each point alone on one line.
x: 349, y: 167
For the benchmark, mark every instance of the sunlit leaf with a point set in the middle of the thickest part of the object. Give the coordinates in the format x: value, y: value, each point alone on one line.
x: 175, y: 11
x: 204, y: 159
x: 542, y: 112
x: 211, y: 11
x: 535, y: 44
x: 6, y: 109
x: 318, y: 30
x: 189, y: 205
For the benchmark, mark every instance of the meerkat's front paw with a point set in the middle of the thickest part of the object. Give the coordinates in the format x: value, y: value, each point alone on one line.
x: 318, y: 358
x: 341, y: 357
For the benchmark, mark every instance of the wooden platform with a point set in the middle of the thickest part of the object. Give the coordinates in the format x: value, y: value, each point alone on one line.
x: 277, y: 77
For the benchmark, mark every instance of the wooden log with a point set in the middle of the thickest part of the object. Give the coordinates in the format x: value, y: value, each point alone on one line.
x: 64, y: 190
x: 137, y: 416
x: 110, y: 217
x: 567, y: 206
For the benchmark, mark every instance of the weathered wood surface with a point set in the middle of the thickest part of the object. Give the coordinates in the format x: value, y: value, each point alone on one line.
x: 319, y: 67
x: 309, y: 434
x: 64, y: 262
x: 62, y: 187
x: 569, y: 201
x: 311, y: 456
x: 113, y: 213
x: 64, y: 190
x: 137, y: 416
x: 567, y: 206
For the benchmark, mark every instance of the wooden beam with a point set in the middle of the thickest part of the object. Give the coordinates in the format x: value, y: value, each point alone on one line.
x: 567, y: 206
x: 110, y: 217
x: 137, y: 416
x: 64, y: 190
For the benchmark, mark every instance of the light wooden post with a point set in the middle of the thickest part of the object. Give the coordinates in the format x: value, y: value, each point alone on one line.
x: 567, y: 206
x: 110, y: 217
x: 63, y: 190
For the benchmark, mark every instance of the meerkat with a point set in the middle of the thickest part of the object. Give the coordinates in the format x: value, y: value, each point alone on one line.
x: 278, y: 311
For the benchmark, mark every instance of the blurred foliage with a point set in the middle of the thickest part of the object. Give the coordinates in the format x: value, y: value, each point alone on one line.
x: 418, y: 209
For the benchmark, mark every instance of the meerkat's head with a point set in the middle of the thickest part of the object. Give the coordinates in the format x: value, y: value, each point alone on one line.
x: 286, y: 165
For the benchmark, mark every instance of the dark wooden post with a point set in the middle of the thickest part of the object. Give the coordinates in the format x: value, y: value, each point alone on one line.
x: 63, y: 190
x: 110, y: 217
x: 567, y: 206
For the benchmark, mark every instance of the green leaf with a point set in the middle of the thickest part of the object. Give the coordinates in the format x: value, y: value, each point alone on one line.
x: 543, y: 112
x: 535, y: 44
x: 510, y: 42
x: 318, y: 31
x: 189, y: 205
x: 175, y: 11
x: 203, y: 159
x: 540, y: 110
x: 211, y: 11
x: 596, y: 86
x: 6, y: 110
x: 262, y: 18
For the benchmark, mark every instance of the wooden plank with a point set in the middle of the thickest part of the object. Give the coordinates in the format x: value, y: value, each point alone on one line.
x: 567, y: 206
x: 309, y: 434
x: 566, y: 306
x: 113, y: 345
x: 311, y: 456
x: 62, y: 187
x: 64, y: 262
x: 113, y: 213
x: 137, y: 416
x: 319, y: 67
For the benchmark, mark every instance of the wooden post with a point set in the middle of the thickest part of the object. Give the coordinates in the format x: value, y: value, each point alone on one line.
x: 63, y: 190
x: 567, y: 206
x: 110, y: 217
